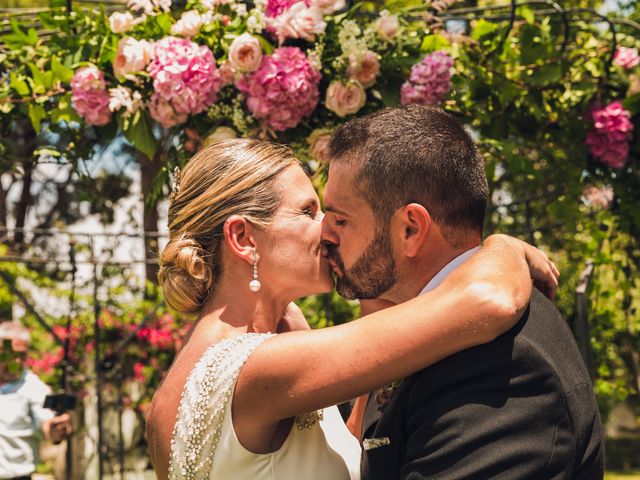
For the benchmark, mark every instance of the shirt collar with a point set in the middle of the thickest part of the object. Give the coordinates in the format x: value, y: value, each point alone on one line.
x: 448, y: 268
x: 6, y: 387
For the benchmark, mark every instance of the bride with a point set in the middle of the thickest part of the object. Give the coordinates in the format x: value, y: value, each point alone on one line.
x: 251, y: 393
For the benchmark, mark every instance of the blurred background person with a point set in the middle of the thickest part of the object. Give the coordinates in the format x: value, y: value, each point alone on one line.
x: 23, y: 419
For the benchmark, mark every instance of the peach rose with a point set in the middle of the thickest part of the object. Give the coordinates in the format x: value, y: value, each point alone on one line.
x: 219, y: 134
x: 319, y: 144
x: 387, y: 26
x: 121, y: 22
x: 189, y: 24
x: 364, y: 68
x: 132, y: 56
x: 245, y: 53
x: 345, y: 99
x: 228, y: 74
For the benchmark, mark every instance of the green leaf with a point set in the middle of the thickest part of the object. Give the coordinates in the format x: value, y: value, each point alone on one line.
x: 139, y: 133
x: 39, y: 82
x: 390, y: 95
x: 65, y: 112
x: 632, y: 104
x: 266, y: 46
x: 60, y: 71
x: 431, y: 43
x: 36, y: 114
x: 19, y: 85
x: 526, y: 13
x: 483, y: 28
x: 547, y: 74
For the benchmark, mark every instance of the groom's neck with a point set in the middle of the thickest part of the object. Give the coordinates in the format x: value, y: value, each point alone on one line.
x: 416, y: 272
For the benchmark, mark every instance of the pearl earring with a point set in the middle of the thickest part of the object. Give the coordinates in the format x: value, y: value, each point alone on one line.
x: 254, y: 285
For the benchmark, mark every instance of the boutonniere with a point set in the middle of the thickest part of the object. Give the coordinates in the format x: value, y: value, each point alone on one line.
x: 386, y: 393
x: 372, y: 443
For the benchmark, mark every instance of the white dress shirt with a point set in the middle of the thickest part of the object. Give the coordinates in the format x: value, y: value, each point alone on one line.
x: 21, y: 417
x: 448, y: 268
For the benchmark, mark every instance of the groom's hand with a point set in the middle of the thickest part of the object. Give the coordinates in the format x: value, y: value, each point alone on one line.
x: 373, y: 305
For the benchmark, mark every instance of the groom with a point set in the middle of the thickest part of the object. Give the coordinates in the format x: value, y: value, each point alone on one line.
x: 405, y: 203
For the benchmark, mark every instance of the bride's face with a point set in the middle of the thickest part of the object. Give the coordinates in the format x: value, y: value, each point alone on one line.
x: 292, y: 260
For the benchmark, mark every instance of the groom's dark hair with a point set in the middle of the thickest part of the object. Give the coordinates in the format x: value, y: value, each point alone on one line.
x: 417, y: 154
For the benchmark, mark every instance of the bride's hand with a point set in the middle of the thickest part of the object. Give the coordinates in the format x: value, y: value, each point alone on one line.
x: 543, y: 271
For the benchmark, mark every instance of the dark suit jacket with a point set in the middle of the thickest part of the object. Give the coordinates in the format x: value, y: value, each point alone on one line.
x: 520, y: 407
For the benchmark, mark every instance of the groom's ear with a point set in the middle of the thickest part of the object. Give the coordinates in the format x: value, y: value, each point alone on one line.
x: 238, y: 236
x: 416, y: 222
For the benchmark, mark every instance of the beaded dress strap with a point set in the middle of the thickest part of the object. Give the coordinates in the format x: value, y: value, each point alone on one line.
x: 203, y: 404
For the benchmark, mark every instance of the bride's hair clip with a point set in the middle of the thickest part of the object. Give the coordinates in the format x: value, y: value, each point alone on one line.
x: 175, y: 188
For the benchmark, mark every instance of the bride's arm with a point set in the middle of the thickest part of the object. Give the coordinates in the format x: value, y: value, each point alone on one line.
x: 298, y: 372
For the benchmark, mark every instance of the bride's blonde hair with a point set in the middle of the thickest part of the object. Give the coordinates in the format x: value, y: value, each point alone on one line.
x: 233, y: 177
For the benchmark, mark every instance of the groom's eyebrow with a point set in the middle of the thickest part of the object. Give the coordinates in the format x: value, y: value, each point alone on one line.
x: 332, y: 209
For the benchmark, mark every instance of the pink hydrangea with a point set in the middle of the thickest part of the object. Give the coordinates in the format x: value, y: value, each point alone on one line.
x: 90, y: 96
x: 185, y: 79
x: 429, y: 81
x: 626, y: 57
x: 608, y: 140
x: 276, y: 7
x: 283, y: 90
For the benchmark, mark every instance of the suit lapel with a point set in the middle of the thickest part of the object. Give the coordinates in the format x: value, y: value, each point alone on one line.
x: 372, y: 414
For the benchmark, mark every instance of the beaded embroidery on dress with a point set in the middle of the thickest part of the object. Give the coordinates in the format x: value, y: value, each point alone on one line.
x: 203, y: 405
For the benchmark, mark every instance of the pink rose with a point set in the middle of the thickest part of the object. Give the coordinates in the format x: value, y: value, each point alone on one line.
x: 364, y: 68
x: 245, y: 53
x: 189, y: 24
x: 626, y: 57
x: 299, y: 21
x: 283, y: 90
x: 328, y: 6
x: 132, y: 56
x: 601, y: 198
x: 185, y: 74
x: 387, y: 26
x: 319, y: 144
x: 275, y: 8
x: 608, y: 140
x: 429, y: 81
x: 344, y: 99
x: 163, y: 112
x: 121, y: 22
x: 228, y: 74
x: 90, y: 97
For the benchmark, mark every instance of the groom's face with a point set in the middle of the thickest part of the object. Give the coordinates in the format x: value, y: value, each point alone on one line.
x: 360, y: 250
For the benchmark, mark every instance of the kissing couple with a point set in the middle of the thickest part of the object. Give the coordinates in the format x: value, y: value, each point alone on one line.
x: 461, y: 369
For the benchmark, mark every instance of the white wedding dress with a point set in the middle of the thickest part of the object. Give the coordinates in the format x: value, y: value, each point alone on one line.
x: 204, y: 444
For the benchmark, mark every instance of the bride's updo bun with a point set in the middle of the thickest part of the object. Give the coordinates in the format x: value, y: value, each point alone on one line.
x: 233, y: 177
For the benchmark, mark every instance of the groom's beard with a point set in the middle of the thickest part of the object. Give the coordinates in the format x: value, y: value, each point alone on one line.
x: 373, y: 273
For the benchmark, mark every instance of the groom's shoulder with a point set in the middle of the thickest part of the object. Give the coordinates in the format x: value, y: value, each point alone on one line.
x: 541, y: 343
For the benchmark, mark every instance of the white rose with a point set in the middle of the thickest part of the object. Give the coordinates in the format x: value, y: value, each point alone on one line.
x: 245, y: 53
x: 132, y: 56
x: 299, y: 22
x: 121, y: 22
x: 344, y: 99
x: 121, y: 98
x: 189, y: 24
x: 328, y: 6
x: 220, y: 134
x: 387, y: 26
